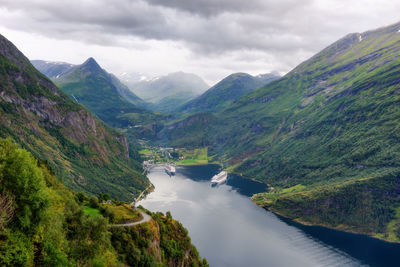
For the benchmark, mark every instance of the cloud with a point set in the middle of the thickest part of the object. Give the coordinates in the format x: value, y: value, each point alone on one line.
x: 278, y: 34
x: 211, y: 7
x: 235, y: 24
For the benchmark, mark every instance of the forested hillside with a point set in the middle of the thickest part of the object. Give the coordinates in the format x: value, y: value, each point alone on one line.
x: 42, y: 223
x: 85, y: 154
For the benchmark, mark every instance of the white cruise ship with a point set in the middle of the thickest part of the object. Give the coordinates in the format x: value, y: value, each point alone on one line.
x: 170, y: 169
x: 219, y: 178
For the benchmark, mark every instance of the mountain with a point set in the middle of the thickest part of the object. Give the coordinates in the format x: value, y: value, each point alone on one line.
x: 103, y: 94
x: 324, y: 137
x: 167, y: 92
x: 226, y: 92
x: 85, y: 154
x: 50, y: 68
x: 62, y: 72
x: 131, y: 78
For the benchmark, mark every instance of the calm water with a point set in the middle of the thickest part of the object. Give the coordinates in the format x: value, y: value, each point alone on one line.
x: 229, y: 230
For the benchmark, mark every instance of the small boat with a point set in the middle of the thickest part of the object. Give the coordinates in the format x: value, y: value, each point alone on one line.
x: 170, y: 169
x: 219, y: 178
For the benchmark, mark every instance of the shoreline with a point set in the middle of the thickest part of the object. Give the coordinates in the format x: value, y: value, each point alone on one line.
x: 198, y: 164
x: 308, y: 224
x: 298, y: 221
x: 368, y: 249
x: 248, y: 178
x: 143, y: 194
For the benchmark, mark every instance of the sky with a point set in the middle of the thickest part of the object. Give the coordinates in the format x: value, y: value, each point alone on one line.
x: 212, y: 38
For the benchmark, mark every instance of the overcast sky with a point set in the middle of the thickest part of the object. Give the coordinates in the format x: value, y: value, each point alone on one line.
x: 211, y: 38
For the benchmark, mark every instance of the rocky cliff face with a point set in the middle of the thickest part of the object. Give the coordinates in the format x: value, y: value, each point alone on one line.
x: 82, y: 150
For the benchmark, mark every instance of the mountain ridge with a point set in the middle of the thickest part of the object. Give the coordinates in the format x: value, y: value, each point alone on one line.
x: 226, y: 92
x: 102, y: 93
x: 61, y: 72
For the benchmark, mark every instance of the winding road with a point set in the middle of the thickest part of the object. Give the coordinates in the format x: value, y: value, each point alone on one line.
x: 140, y: 196
x: 145, y: 216
x: 145, y: 219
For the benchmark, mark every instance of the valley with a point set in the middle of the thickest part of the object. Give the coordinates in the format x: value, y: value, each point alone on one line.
x: 323, y: 136
x: 177, y: 156
x: 324, y: 131
x: 96, y: 168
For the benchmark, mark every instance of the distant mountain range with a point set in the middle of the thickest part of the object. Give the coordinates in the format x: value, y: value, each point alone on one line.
x: 162, y: 94
x: 226, y: 92
x: 52, y: 69
x: 131, y: 78
x: 167, y: 92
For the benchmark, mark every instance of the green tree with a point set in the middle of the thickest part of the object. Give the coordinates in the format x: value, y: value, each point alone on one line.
x: 88, y: 236
x: 21, y: 178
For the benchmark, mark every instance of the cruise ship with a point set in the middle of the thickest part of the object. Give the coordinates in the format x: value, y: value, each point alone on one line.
x: 170, y: 169
x: 219, y: 178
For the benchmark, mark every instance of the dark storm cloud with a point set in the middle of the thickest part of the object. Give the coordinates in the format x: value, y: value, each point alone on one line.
x: 92, y: 17
x: 235, y: 25
x: 284, y: 30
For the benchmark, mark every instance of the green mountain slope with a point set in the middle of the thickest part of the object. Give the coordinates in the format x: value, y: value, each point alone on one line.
x: 169, y: 103
x: 226, y: 92
x: 331, y: 125
x: 337, y: 110
x: 61, y: 71
x: 193, y: 131
x: 103, y: 94
x: 84, y: 153
x: 325, y: 136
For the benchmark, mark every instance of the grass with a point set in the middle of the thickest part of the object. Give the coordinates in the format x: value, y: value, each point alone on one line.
x: 146, y: 151
x: 91, y: 211
x: 276, y: 193
x: 192, y: 162
x: 292, y: 189
x: 196, y: 156
x: 124, y: 214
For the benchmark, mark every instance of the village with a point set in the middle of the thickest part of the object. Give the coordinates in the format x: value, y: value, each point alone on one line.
x: 176, y: 156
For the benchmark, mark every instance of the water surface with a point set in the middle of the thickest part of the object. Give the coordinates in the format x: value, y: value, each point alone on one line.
x: 229, y: 230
